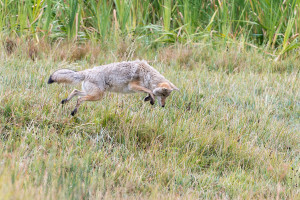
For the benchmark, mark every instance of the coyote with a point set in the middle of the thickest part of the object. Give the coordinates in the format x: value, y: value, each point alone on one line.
x: 122, y: 77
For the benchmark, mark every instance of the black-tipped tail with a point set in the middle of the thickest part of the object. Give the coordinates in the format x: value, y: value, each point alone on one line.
x: 50, y: 80
x: 66, y: 76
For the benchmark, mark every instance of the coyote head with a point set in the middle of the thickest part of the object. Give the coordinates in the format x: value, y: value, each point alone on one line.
x: 163, y: 91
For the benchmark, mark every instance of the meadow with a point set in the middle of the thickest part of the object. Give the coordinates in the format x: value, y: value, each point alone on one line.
x: 231, y: 132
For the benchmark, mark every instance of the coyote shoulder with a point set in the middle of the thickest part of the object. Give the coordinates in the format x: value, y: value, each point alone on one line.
x: 122, y: 77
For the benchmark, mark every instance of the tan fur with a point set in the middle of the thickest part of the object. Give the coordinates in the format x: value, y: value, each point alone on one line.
x: 123, y: 77
x: 165, y: 85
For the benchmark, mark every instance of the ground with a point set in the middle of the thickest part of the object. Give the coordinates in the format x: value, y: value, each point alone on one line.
x: 231, y: 132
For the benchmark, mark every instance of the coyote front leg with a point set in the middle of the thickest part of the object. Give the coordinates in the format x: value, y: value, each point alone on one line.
x: 147, y: 98
x: 73, y: 94
x: 136, y: 87
x: 95, y: 97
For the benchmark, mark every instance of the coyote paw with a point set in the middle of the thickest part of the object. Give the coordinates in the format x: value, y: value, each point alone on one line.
x: 152, y: 101
x: 64, y: 101
x: 74, y: 112
x: 147, y: 98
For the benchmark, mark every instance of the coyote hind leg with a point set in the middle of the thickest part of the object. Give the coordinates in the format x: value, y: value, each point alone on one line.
x: 95, y: 97
x: 73, y: 94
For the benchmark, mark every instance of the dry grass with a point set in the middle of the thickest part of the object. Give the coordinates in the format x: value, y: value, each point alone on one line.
x: 127, y: 49
x: 72, y: 51
x: 186, y: 57
x: 32, y: 50
x: 9, y: 46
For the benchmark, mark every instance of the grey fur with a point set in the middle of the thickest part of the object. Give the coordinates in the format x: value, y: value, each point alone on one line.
x: 122, y: 77
x: 66, y: 76
x: 115, y: 77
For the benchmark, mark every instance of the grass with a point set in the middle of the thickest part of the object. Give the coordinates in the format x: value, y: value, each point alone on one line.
x: 268, y: 24
x: 232, y: 132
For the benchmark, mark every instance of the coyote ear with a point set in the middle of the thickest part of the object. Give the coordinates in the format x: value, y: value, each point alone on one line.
x: 174, y: 87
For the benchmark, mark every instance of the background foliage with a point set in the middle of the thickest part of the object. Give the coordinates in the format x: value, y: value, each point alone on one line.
x: 271, y: 23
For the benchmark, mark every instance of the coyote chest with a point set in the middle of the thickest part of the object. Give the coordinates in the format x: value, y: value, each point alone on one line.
x: 125, y: 89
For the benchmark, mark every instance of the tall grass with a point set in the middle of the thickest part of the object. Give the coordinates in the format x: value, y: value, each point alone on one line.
x: 275, y: 24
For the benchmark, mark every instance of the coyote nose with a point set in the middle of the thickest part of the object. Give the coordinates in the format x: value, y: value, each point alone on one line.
x: 163, y: 106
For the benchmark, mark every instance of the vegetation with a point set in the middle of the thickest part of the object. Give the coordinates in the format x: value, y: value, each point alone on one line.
x: 231, y: 132
x: 275, y: 24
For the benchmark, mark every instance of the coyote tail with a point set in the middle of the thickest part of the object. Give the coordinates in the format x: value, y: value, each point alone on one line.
x: 66, y: 76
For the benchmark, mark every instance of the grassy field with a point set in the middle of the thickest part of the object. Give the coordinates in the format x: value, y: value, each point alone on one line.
x: 232, y: 132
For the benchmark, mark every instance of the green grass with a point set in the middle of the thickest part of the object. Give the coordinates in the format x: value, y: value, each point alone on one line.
x: 231, y: 132
x: 272, y: 25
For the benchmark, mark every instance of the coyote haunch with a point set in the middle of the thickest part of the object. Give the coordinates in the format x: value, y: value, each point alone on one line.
x: 123, y: 77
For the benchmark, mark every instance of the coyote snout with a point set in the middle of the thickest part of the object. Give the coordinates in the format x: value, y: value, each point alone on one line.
x: 123, y: 77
